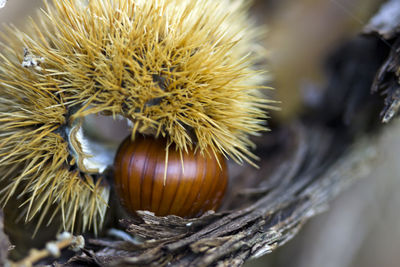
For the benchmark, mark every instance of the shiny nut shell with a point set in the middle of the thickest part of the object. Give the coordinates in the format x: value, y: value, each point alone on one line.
x: 188, y: 192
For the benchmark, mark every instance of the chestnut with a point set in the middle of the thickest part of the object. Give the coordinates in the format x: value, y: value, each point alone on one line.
x: 187, y: 191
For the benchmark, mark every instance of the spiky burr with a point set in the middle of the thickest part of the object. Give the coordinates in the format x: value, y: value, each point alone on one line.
x: 183, y: 70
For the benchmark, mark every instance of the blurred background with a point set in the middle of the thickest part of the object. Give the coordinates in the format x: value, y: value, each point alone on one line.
x: 362, y: 226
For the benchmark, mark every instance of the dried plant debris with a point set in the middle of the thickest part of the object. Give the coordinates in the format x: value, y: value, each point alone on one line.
x: 315, y: 165
x: 387, y: 82
x: 52, y: 249
x: 386, y: 24
x: 31, y: 61
x: 387, y: 21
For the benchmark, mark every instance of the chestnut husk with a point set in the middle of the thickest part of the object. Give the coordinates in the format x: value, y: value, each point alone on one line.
x: 304, y: 164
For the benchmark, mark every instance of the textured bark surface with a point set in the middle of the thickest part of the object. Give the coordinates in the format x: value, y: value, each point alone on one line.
x: 313, y: 168
x: 386, y: 24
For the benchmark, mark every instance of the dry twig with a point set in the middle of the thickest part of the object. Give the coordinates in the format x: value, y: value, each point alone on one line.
x: 53, y: 249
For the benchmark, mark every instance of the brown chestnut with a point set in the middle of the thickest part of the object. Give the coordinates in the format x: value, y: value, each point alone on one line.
x: 187, y: 192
